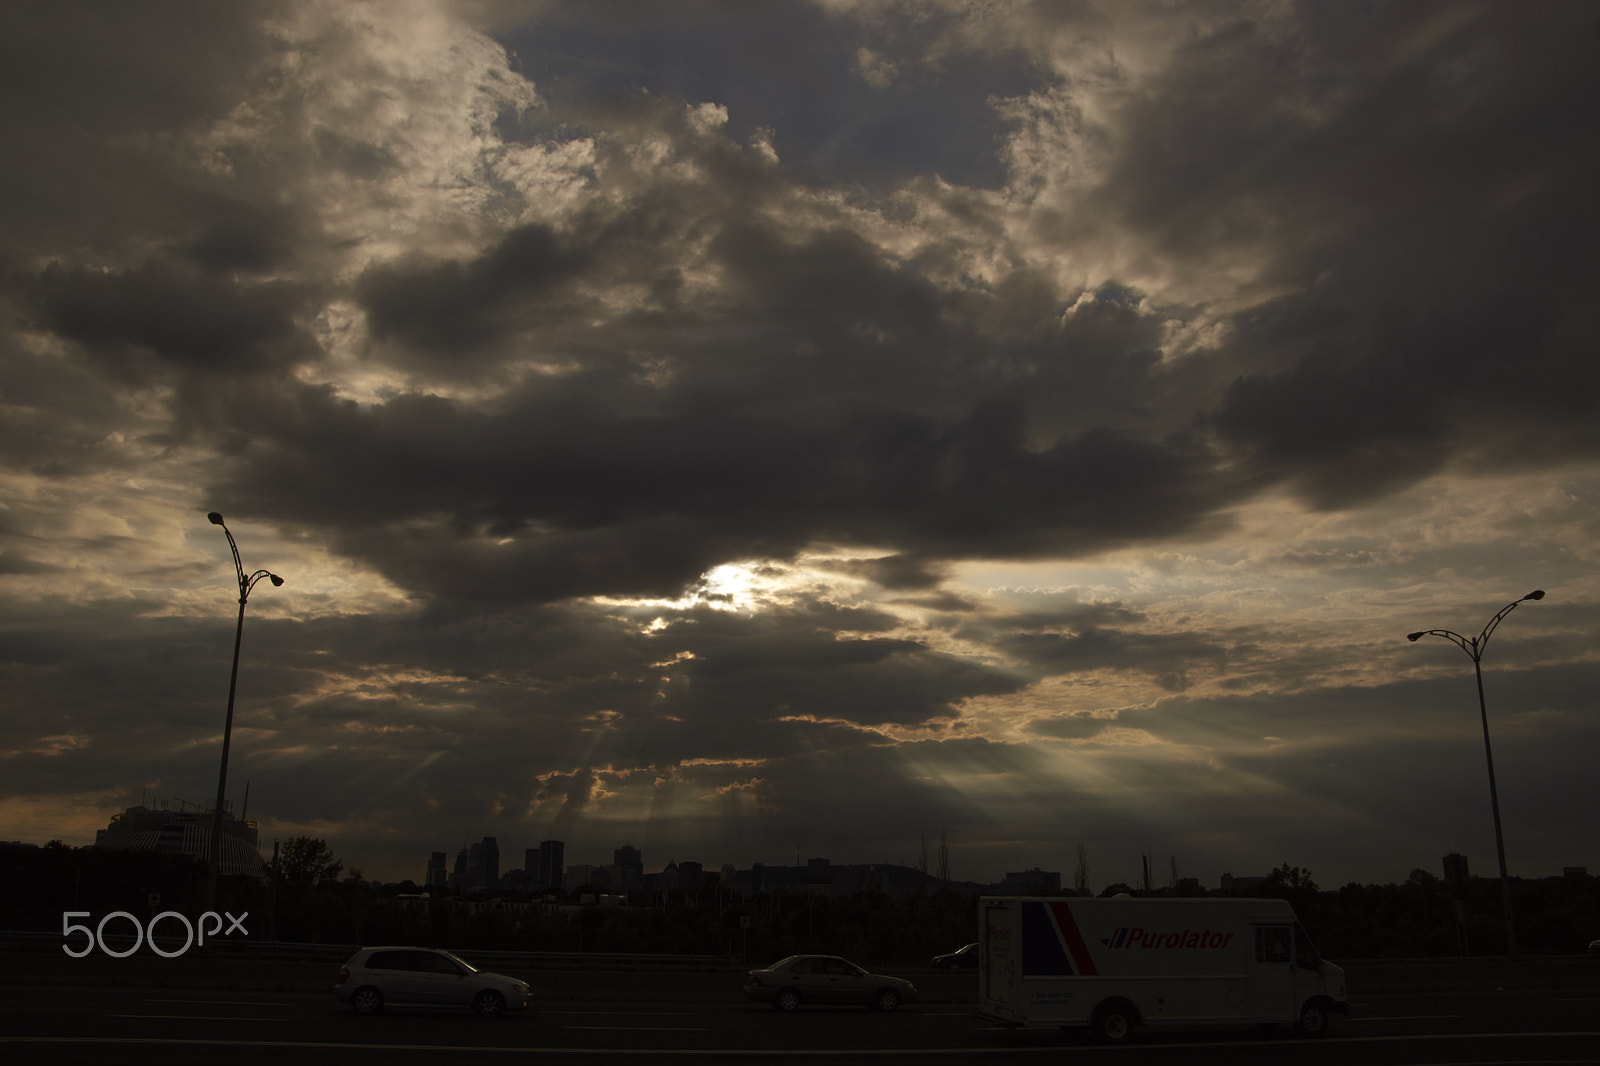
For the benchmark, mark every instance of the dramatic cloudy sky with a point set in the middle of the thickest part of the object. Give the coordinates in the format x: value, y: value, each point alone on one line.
x: 744, y: 430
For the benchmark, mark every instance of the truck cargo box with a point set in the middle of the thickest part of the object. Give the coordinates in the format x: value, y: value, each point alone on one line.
x: 1113, y: 964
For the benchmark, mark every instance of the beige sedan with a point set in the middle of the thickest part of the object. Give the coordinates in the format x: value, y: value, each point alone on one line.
x: 825, y: 979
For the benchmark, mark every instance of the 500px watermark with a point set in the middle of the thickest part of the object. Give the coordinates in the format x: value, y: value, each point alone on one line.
x: 96, y: 936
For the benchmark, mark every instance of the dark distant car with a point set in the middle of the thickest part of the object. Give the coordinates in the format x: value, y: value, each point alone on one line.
x: 425, y: 977
x: 1594, y: 947
x: 825, y: 979
x: 962, y: 958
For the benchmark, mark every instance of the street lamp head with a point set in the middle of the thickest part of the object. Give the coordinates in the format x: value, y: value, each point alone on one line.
x: 216, y: 519
x: 1413, y: 637
x: 1536, y: 594
x: 276, y: 580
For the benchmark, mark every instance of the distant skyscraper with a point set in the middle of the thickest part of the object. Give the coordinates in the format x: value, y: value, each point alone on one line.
x: 552, y: 863
x: 483, y: 863
x: 437, y: 874
x: 602, y: 877
x: 630, y: 866
x: 491, y: 862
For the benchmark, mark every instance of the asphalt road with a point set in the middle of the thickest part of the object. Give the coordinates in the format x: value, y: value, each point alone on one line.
x: 110, y: 1026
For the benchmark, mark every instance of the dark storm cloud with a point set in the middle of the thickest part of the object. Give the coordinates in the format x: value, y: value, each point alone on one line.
x: 797, y: 665
x: 1435, y: 218
x: 194, y: 321
x: 12, y: 562
x: 547, y: 498
x: 1498, y: 385
x: 124, y: 73
x: 60, y: 414
x: 1066, y: 637
x: 893, y: 572
x: 902, y: 416
x: 454, y: 308
x: 90, y: 95
x: 1167, y: 658
x: 230, y: 235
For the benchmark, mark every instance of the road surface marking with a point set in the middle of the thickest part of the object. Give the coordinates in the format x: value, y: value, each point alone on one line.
x: 643, y: 1028
x: 223, y: 1002
x: 203, y: 1017
x: 1406, y: 1018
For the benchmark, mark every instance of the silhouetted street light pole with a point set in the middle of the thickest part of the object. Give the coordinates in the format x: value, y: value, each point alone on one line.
x: 1475, y: 647
x: 214, y: 848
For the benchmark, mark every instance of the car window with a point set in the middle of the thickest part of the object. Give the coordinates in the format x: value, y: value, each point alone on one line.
x: 803, y: 966
x: 840, y: 967
x: 438, y: 964
x: 388, y: 960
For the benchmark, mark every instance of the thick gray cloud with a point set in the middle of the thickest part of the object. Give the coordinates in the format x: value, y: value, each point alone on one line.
x: 93, y: 96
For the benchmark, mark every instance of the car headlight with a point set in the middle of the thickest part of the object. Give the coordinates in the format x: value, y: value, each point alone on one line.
x: 519, y: 987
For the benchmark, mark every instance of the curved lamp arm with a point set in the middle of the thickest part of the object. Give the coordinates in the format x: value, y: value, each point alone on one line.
x: 245, y: 583
x: 1475, y: 646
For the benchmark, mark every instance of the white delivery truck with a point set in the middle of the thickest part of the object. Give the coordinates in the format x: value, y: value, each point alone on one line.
x: 1113, y: 964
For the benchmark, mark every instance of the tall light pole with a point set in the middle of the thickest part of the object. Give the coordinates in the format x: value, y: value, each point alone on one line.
x: 1475, y: 647
x: 246, y: 583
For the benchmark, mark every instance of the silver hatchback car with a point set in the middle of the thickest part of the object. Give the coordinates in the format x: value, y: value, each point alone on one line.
x: 425, y: 977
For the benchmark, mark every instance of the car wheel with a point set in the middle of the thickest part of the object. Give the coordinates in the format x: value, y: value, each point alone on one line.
x: 1313, y: 1019
x: 887, y: 1000
x: 366, y: 1001
x: 1113, y: 1024
x: 489, y: 1004
x: 786, y: 1000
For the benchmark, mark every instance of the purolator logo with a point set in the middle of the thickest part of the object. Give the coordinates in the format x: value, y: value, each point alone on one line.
x: 96, y: 935
x: 1135, y: 937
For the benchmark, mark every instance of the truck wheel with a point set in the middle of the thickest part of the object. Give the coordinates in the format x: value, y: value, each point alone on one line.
x: 1113, y: 1024
x: 1313, y: 1019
